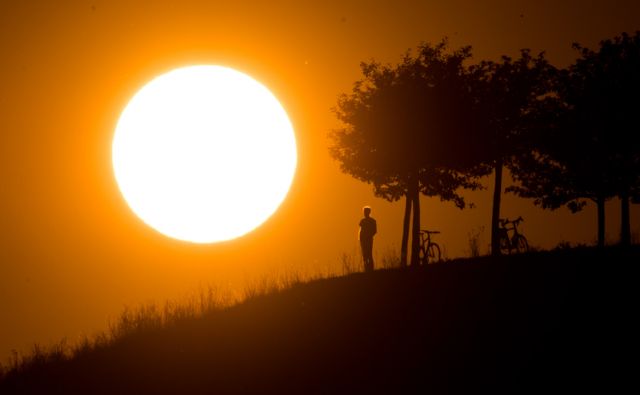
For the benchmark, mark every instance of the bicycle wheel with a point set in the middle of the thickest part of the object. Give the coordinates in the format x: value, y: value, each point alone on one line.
x: 423, y: 258
x: 521, y: 244
x: 433, y: 253
x: 505, y: 244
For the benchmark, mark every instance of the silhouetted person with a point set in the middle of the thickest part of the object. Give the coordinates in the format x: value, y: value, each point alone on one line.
x: 368, y: 228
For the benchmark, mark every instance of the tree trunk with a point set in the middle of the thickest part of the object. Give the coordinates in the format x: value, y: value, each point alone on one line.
x: 405, y: 230
x: 625, y: 222
x: 600, y: 204
x: 495, y: 213
x: 415, y: 235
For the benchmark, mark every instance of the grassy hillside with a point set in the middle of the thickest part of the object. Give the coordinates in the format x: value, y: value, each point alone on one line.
x: 543, y: 322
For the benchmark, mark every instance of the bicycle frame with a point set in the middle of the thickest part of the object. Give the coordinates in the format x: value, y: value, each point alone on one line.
x: 511, y: 241
x: 426, y: 245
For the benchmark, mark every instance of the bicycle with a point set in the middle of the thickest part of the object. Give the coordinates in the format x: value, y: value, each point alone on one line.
x: 429, y: 250
x: 517, y: 241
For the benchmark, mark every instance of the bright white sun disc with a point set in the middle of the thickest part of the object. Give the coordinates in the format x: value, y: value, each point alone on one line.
x: 204, y: 154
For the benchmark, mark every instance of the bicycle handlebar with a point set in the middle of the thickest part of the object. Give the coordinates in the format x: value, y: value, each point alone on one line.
x: 433, y: 232
x: 505, y: 221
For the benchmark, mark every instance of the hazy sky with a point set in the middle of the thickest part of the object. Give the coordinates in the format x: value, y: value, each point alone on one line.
x: 71, y: 252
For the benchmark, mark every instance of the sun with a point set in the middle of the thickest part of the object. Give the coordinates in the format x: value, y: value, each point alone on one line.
x: 204, y: 154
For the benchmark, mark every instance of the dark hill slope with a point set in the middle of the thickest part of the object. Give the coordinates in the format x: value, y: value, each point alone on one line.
x: 544, y: 322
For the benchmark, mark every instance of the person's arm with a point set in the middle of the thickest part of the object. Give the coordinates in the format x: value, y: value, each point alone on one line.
x: 375, y: 227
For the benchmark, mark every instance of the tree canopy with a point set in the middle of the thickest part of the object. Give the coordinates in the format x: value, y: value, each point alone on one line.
x: 591, y: 146
x: 434, y: 124
x: 410, y: 129
x: 506, y: 94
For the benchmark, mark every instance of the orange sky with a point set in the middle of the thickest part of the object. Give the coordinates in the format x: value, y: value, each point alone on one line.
x: 72, y: 254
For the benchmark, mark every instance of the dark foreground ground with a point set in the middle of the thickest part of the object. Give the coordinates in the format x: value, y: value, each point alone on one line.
x: 539, y: 323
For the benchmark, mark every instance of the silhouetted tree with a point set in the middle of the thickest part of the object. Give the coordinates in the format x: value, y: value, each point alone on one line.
x: 612, y: 87
x: 407, y: 131
x: 506, y: 93
x: 565, y: 176
x: 591, y: 147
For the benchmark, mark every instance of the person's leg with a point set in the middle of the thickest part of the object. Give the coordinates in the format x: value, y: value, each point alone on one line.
x: 367, y: 255
x: 363, y: 249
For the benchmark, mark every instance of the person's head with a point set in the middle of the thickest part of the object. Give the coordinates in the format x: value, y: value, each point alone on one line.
x: 366, y: 210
